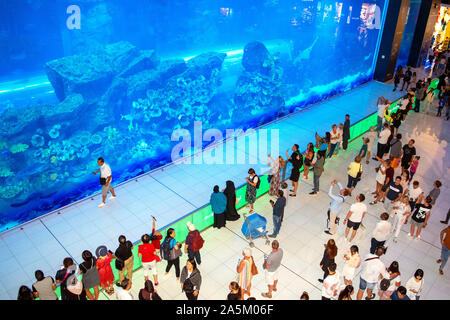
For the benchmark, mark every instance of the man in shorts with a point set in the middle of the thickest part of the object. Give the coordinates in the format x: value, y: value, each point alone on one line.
x: 105, y: 181
x: 372, y: 269
x: 271, y: 266
x: 355, y: 216
x: 420, y: 217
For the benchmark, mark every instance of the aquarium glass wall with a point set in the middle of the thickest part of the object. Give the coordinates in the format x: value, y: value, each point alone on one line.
x: 86, y: 79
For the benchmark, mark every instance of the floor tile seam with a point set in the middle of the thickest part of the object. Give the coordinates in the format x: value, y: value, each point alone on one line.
x: 62, y: 246
x: 293, y: 272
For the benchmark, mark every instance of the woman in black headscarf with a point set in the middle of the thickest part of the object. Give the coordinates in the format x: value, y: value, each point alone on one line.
x: 230, y: 192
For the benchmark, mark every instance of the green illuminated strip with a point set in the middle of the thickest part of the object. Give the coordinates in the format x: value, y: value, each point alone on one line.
x: 204, y: 217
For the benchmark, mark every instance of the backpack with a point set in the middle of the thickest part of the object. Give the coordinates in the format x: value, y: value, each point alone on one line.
x: 258, y: 183
x: 197, y: 242
x: 165, y: 249
x: 386, y: 283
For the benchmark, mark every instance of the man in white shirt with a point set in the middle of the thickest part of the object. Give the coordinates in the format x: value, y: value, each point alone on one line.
x: 382, y: 141
x: 381, y: 233
x: 355, y: 216
x: 334, y: 139
x: 105, y: 181
x: 415, y: 194
x: 123, y: 292
x: 381, y: 110
x: 331, y: 284
x: 372, y: 270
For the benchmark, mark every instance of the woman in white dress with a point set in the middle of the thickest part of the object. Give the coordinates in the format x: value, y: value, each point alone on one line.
x: 401, y: 211
x: 381, y: 177
x: 352, y: 262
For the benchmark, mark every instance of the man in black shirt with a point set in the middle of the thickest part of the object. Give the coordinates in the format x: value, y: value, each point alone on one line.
x: 406, y: 79
x: 346, y: 133
x: 297, y: 161
x: 408, y: 152
x: 125, y: 259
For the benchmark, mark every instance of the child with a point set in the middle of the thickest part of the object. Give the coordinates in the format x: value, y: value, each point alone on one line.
x: 363, y: 151
x: 352, y: 261
x: 442, y: 103
x: 414, y: 165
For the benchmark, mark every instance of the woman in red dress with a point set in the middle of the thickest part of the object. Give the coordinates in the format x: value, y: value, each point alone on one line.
x: 104, y: 269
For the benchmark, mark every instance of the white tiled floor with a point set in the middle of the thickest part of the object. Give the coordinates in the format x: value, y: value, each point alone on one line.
x: 44, y: 243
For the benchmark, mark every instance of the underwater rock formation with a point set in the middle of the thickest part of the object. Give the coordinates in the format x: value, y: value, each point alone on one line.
x: 257, y: 58
x: 259, y: 89
x: 91, y: 74
x: 146, y: 60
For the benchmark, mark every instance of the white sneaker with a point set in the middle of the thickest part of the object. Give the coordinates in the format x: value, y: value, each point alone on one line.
x: 112, y: 197
x: 418, y: 238
x: 101, y: 205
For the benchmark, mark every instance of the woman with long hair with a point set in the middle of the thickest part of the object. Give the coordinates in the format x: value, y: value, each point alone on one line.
x: 149, y: 292
x: 328, y: 257
x: 25, y: 293
x: 346, y: 293
x: 91, y: 277
x: 394, y: 277
x: 170, y: 241
x: 235, y: 291
x: 309, y: 156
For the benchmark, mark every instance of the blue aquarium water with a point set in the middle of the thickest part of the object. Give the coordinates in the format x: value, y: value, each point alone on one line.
x: 115, y: 78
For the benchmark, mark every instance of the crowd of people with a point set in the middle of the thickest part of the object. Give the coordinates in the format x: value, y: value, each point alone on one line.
x: 402, y: 197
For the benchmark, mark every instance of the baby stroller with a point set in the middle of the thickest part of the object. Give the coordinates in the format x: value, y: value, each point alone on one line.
x: 254, y: 227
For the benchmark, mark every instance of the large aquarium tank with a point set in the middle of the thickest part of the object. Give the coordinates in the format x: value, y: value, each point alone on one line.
x: 83, y: 79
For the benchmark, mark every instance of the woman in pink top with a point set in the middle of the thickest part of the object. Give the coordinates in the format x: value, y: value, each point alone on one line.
x: 414, y: 165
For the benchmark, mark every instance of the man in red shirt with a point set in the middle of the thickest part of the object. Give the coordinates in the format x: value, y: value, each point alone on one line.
x: 445, y: 252
x: 149, y: 259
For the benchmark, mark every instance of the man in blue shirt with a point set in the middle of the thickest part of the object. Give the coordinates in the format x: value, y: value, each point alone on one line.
x: 400, y: 294
x: 335, y: 206
x: 278, y: 210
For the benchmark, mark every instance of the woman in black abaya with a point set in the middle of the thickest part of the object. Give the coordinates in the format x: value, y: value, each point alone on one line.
x: 230, y: 192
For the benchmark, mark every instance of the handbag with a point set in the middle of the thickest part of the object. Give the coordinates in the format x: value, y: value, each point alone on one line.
x: 254, y: 269
x: 386, y: 283
x: 188, y: 287
x: 102, y: 181
x: 358, y: 175
x: 75, y: 286
x: 377, y: 169
x: 175, y: 253
x: 120, y: 264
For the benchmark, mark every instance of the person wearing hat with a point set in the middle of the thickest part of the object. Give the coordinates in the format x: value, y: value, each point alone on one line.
x: 246, y: 269
x: 191, y: 243
x: 105, y: 272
